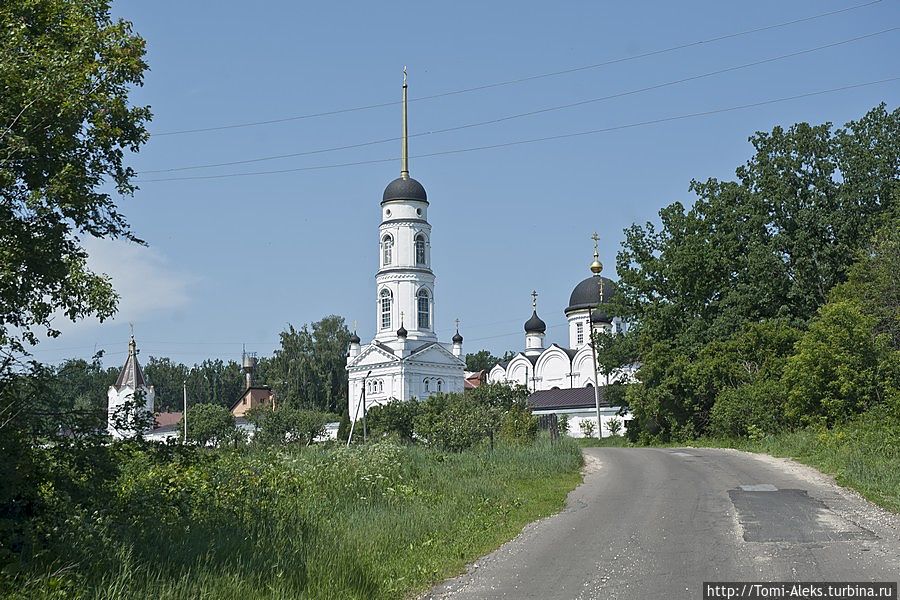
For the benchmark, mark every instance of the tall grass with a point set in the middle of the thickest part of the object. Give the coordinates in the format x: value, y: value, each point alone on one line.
x: 379, y: 521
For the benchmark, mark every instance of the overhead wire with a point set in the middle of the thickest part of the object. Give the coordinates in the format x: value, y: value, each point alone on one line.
x: 524, y: 114
x: 520, y: 79
x: 532, y: 140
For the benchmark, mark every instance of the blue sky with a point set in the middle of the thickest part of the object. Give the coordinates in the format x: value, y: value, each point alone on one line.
x: 233, y: 260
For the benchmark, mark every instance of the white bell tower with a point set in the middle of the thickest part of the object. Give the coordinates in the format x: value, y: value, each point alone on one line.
x: 405, y: 281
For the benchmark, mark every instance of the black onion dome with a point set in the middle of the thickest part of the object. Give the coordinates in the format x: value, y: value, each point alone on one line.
x: 401, y: 333
x: 587, y: 293
x: 354, y: 339
x: 535, y: 324
x: 404, y: 189
x: 457, y: 339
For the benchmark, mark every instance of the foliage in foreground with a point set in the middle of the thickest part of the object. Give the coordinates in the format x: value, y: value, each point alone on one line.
x: 376, y: 521
x: 457, y: 422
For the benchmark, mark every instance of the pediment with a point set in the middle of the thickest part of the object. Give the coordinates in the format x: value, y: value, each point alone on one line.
x: 373, y: 355
x: 435, y: 353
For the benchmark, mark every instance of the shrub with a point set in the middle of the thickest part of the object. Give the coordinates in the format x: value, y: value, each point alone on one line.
x: 755, y: 407
x: 287, y: 425
x: 587, y: 427
x: 518, y: 425
x: 452, y: 422
x: 614, y: 426
x: 562, y: 423
x: 210, y: 424
x: 393, y: 419
x: 834, y: 373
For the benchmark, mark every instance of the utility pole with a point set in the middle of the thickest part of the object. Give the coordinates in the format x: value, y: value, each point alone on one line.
x: 184, y: 416
x: 596, y: 387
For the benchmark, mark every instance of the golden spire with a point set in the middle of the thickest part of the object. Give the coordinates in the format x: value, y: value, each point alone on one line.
x: 596, y: 266
x: 404, y: 144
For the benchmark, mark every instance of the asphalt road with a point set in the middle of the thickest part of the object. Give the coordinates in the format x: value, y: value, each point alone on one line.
x: 657, y: 523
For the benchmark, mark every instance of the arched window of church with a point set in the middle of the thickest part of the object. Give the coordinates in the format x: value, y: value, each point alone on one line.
x: 427, y: 387
x: 440, y: 385
x: 420, y: 249
x: 589, y: 385
x: 386, y: 301
x: 424, y: 309
x: 387, y: 249
x: 579, y: 333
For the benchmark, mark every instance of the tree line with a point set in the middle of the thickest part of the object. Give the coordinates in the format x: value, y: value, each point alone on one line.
x: 774, y: 300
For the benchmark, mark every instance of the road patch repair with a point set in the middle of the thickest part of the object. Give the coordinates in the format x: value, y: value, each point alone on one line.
x: 768, y: 514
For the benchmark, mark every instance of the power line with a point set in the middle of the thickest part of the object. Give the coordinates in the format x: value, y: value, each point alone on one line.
x: 486, y: 86
x: 529, y: 113
x: 533, y: 140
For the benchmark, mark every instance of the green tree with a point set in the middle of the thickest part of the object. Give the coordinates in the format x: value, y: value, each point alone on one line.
x: 308, y: 369
x: 287, y: 425
x: 167, y: 378
x: 209, y: 424
x: 394, y: 418
x: 215, y: 382
x: 453, y: 422
x: 518, y: 425
x: 66, y: 71
x: 483, y: 360
x: 835, y: 372
x: 66, y: 124
x: 614, y: 351
x: 768, y: 246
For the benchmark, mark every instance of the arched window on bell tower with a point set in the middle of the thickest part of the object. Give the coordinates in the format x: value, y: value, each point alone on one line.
x: 423, y: 301
x: 386, y: 300
x: 387, y: 249
x: 420, y: 249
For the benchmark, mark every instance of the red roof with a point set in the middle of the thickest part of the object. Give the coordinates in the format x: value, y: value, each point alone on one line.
x: 167, y: 418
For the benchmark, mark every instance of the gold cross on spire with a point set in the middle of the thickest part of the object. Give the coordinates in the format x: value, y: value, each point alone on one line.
x: 596, y: 266
x: 534, y: 296
x: 457, y: 325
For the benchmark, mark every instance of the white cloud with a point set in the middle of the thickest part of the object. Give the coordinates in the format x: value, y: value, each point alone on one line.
x: 142, y: 276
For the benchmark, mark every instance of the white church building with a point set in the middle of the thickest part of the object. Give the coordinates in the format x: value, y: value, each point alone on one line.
x: 405, y: 360
x: 563, y: 379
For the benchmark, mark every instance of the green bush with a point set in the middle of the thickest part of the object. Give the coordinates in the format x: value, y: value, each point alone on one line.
x: 756, y: 407
x: 453, y: 422
x: 287, y: 425
x: 395, y: 419
x: 835, y: 372
x: 518, y: 426
x: 210, y: 424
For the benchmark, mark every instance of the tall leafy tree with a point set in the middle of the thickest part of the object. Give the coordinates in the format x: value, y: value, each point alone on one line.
x: 66, y: 70
x: 66, y: 124
x: 167, y: 378
x: 308, y: 369
x: 769, y: 245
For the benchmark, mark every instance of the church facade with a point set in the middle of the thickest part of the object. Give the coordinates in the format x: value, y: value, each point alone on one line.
x: 540, y: 367
x: 405, y: 360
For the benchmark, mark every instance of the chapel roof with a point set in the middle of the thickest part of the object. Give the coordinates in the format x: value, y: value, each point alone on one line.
x: 131, y: 374
x: 566, y: 398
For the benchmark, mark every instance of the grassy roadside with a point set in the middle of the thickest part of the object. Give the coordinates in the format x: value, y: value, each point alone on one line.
x: 381, y: 521
x: 863, y: 455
